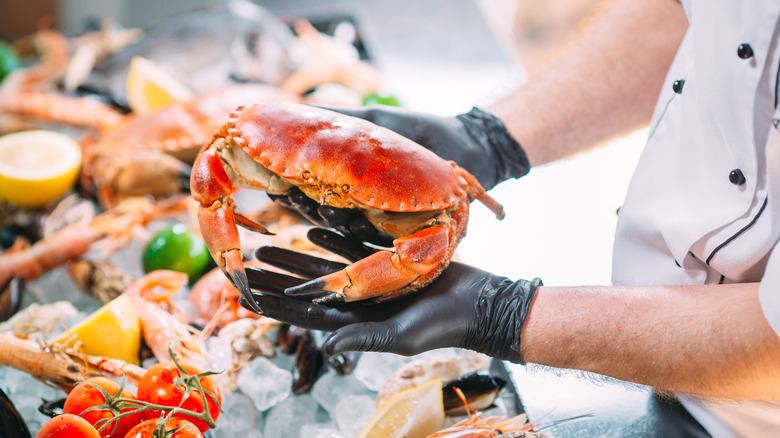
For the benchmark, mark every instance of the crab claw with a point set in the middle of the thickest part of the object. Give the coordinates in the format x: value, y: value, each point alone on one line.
x: 211, y: 187
x: 383, y: 275
x: 234, y: 269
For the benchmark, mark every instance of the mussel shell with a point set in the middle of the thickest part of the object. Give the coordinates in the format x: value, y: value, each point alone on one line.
x: 479, y: 388
x: 11, y: 297
x: 288, y: 338
x: 309, y: 364
x: 344, y: 363
x: 12, y: 424
x: 52, y: 408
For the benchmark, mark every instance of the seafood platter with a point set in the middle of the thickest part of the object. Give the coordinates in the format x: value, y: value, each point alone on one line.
x: 127, y: 158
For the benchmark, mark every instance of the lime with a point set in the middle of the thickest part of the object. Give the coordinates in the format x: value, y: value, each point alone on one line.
x: 111, y: 331
x: 382, y: 99
x: 177, y: 248
x: 37, y: 166
x: 8, y: 60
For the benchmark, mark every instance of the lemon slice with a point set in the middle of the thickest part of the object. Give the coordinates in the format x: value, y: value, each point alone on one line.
x: 37, y: 166
x: 111, y: 331
x: 150, y: 88
x: 413, y: 413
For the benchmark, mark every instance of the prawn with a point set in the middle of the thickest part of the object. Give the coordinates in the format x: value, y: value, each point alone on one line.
x: 60, y: 366
x: 477, y: 426
x: 77, y: 239
x: 160, y: 328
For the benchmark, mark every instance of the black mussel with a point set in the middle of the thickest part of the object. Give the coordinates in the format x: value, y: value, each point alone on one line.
x: 479, y: 388
x: 309, y: 364
x: 11, y: 297
x: 288, y: 338
x: 104, y: 96
x: 344, y: 363
x: 52, y: 408
x: 12, y: 424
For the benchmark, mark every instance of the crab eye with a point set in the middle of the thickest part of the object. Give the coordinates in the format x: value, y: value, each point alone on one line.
x: 305, y: 175
x: 345, y: 188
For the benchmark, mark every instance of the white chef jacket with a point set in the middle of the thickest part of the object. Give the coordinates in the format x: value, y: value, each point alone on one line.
x: 703, y: 206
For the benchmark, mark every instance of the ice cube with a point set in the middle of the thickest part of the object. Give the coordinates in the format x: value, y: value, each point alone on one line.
x: 331, y: 388
x: 219, y: 355
x: 322, y: 431
x: 374, y: 369
x: 288, y: 417
x: 27, y: 394
x: 265, y: 383
x: 238, y: 417
x: 284, y: 361
x: 354, y: 412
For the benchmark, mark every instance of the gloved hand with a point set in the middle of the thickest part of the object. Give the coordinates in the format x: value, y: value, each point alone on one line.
x: 465, y: 307
x: 477, y: 140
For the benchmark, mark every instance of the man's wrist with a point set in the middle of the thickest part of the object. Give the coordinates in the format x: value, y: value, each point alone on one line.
x: 507, y: 154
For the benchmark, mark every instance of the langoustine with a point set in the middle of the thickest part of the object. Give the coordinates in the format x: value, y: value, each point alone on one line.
x: 75, y: 240
x: 160, y: 328
x: 59, y: 366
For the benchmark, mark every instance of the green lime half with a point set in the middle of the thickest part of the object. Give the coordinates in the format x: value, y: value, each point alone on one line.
x: 8, y: 60
x: 177, y: 248
x: 382, y: 99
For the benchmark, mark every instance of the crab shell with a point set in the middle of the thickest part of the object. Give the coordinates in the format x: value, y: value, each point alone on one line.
x: 402, y: 188
x: 148, y: 154
x: 374, y: 168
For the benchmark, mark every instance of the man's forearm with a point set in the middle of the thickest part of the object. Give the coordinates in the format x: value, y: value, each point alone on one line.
x: 606, y: 86
x: 709, y: 340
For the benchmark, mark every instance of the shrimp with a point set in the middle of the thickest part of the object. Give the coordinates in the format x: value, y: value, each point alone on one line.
x: 212, y: 291
x: 477, y: 426
x: 77, y: 239
x: 160, y: 328
x: 76, y: 111
x: 60, y: 366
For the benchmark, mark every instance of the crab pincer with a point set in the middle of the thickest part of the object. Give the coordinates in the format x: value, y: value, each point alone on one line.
x: 354, y: 175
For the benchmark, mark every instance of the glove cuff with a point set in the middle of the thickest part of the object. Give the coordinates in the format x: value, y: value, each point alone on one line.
x: 510, y: 159
x: 502, y: 309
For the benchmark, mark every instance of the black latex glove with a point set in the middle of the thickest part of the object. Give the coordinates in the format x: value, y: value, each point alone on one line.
x: 465, y: 307
x: 477, y: 140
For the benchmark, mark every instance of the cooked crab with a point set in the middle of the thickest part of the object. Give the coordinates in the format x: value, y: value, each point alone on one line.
x: 356, y: 172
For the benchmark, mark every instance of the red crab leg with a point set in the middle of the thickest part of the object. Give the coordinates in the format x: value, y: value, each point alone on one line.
x: 385, y: 274
x: 211, y: 187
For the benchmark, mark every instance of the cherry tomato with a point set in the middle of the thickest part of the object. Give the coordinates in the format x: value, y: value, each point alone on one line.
x: 67, y: 426
x: 85, y: 396
x: 146, y: 429
x: 156, y: 386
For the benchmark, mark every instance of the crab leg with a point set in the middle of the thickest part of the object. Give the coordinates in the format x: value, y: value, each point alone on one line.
x: 417, y: 259
x: 212, y: 188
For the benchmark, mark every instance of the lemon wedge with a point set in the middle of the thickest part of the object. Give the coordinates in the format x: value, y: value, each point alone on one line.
x: 111, y: 331
x: 37, y: 166
x: 413, y: 413
x: 150, y: 88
